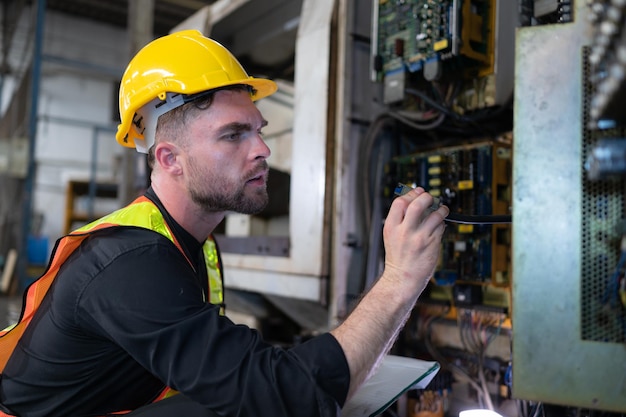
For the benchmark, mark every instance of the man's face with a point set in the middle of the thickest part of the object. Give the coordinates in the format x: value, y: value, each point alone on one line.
x: 226, y: 167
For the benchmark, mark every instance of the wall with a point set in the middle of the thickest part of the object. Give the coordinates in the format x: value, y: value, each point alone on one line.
x: 82, y: 62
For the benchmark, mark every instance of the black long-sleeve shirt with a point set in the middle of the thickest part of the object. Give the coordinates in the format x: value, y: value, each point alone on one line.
x: 126, y: 317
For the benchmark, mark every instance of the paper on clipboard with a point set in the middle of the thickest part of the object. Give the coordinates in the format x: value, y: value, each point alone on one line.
x: 395, y: 376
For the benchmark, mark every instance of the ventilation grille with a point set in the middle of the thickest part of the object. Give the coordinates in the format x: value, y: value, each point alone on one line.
x: 603, y: 316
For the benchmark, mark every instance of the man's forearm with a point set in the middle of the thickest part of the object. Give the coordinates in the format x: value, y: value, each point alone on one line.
x: 412, y: 236
x: 370, y: 330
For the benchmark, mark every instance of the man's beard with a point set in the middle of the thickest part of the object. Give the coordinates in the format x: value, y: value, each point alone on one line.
x: 214, y: 194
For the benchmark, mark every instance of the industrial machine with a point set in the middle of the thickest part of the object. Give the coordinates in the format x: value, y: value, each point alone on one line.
x: 568, y: 211
x: 554, y: 158
x: 445, y: 123
x: 511, y: 113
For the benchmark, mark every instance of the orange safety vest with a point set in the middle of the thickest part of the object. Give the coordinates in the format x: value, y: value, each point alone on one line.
x: 140, y: 213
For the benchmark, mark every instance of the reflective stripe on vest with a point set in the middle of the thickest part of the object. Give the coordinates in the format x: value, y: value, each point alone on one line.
x: 141, y: 213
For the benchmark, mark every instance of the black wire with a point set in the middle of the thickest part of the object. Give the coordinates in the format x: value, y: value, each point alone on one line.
x: 478, y: 120
x: 374, y: 135
x: 478, y: 219
x: 433, y: 103
x: 419, y: 126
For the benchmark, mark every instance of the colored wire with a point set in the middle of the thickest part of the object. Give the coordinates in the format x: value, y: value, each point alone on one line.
x: 454, y: 368
x: 476, y: 338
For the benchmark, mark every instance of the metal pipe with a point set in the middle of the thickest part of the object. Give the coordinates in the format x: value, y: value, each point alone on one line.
x: 27, y: 207
x: 96, y: 129
x: 110, y: 72
x: 93, y: 183
x: 77, y: 122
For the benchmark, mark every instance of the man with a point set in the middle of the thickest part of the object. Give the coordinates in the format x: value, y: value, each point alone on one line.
x: 131, y: 307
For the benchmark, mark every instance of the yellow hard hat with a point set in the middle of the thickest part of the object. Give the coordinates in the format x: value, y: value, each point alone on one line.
x: 171, y: 67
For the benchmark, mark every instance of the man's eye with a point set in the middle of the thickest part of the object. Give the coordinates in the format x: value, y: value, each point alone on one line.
x: 233, y: 136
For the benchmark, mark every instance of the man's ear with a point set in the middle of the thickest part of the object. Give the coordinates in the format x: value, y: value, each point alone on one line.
x: 166, y: 154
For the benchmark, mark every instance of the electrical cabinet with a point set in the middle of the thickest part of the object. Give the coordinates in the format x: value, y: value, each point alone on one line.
x: 568, y: 218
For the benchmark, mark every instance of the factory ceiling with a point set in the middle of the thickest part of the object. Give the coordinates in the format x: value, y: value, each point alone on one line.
x: 167, y: 13
x: 260, y: 33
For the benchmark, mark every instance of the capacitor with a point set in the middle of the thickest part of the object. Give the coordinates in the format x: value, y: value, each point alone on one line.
x: 607, y: 159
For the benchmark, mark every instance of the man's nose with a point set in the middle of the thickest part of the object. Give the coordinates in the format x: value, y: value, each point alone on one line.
x: 261, y: 150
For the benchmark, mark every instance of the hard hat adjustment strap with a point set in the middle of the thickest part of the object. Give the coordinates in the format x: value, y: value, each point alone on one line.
x: 149, y: 115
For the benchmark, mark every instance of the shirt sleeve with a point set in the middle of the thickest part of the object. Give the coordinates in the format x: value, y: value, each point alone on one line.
x: 149, y: 301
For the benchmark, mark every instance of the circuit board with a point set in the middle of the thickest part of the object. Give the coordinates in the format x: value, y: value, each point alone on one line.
x: 412, y: 32
x: 469, y: 179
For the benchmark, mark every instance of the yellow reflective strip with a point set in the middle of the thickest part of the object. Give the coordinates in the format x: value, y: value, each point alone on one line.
x: 216, y: 295
x: 145, y: 214
x: 170, y: 393
x: 7, y: 329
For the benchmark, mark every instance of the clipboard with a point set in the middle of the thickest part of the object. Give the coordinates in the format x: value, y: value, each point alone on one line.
x: 395, y: 376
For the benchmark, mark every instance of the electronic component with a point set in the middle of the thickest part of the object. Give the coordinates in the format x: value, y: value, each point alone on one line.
x: 467, y: 40
x: 473, y: 180
x: 466, y: 295
x: 416, y: 32
x: 402, y: 189
x: 552, y: 11
x: 607, y: 159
